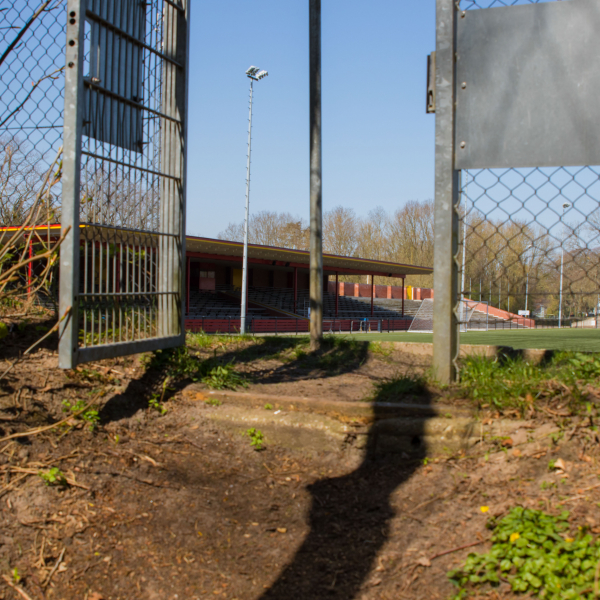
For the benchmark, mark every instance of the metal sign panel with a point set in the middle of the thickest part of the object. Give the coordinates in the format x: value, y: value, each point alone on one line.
x: 114, y: 81
x: 527, y: 86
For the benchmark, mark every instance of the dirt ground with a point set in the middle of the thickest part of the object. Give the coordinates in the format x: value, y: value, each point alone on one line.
x: 169, y: 506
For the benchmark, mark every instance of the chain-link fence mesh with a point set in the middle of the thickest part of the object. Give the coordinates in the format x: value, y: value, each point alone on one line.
x: 32, y: 62
x: 532, y: 237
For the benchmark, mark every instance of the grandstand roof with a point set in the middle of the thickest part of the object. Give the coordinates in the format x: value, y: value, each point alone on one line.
x: 212, y: 249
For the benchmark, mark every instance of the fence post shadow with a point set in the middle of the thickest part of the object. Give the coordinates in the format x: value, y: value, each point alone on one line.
x: 350, y: 518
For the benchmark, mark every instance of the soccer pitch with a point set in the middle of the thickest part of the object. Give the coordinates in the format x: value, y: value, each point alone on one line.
x: 584, y: 340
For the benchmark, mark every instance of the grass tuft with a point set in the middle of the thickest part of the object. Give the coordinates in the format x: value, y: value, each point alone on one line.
x: 511, y: 382
x: 395, y: 389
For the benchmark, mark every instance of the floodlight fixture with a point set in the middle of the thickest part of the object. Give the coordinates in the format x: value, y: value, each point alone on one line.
x: 251, y: 71
x: 261, y: 74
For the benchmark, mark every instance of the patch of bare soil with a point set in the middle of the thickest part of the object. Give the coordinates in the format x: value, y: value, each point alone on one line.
x: 344, y: 372
x: 165, y: 507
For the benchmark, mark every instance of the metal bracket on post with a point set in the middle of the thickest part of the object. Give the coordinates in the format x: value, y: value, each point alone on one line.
x: 69, y: 252
x: 445, y: 270
x: 430, y: 103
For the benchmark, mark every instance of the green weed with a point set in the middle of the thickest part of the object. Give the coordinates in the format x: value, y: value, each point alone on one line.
x: 54, y: 476
x: 223, y: 376
x: 90, y: 416
x: 268, y: 407
x: 256, y: 438
x: 15, y: 576
x: 155, y: 403
x: 532, y: 551
x: 213, y: 402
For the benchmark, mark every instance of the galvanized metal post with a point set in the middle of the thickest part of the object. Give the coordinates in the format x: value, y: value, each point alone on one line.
x: 243, y: 307
x: 445, y: 270
x: 316, y: 209
x: 69, y: 251
x: 174, y: 143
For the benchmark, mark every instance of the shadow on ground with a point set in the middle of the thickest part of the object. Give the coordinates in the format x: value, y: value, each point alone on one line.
x: 349, y: 522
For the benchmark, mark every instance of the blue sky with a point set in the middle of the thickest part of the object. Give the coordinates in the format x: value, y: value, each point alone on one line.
x: 378, y: 143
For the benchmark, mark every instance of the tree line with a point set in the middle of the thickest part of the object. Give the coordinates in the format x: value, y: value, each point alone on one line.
x: 507, y: 262
x: 404, y: 236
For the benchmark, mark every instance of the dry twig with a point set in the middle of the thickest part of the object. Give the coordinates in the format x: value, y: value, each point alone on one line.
x: 17, y: 588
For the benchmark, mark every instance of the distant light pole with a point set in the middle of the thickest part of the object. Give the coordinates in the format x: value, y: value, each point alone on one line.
x: 562, y: 255
x: 254, y: 74
x: 463, y: 315
x: 527, y: 282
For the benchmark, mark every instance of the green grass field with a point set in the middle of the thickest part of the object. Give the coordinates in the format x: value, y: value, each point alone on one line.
x: 585, y: 340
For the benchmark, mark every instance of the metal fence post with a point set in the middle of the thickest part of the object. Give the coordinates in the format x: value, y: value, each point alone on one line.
x: 69, y: 253
x: 445, y: 270
x: 316, y: 208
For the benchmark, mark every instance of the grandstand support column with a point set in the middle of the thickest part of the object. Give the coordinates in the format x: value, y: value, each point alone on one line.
x: 372, y: 292
x: 295, y: 290
x: 316, y: 207
x: 337, y: 294
x: 403, y: 296
x: 445, y: 266
x: 187, y: 286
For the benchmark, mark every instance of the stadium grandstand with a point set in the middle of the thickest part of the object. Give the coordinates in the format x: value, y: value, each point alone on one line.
x: 278, y: 287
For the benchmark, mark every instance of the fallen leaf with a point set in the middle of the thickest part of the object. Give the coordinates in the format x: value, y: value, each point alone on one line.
x: 424, y: 561
x: 516, y: 453
x: 507, y: 443
x: 559, y: 465
x: 484, y: 509
x: 282, y: 529
x: 95, y: 596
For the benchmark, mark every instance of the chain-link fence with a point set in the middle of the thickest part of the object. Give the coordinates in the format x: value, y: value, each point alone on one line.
x: 120, y: 69
x: 32, y: 67
x: 524, y: 232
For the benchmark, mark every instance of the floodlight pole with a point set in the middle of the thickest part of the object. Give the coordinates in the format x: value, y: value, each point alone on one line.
x: 254, y: 74
x: 316, y: 204
x: 245, y: 259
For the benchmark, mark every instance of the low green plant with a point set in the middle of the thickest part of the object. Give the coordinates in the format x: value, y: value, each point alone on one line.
x: 268, y: 407
x: 223, y: 376
x: 256, y: 438
x: 546, y: 485
x: 213, y: 402
x: 90, y: 416
x: 15, y: 575
x: 53, y: 476
x: 533, y: 552
x: 155, y: 403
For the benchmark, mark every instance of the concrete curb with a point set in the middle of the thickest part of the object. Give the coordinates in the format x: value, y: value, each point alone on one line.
x: 315, y: 424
